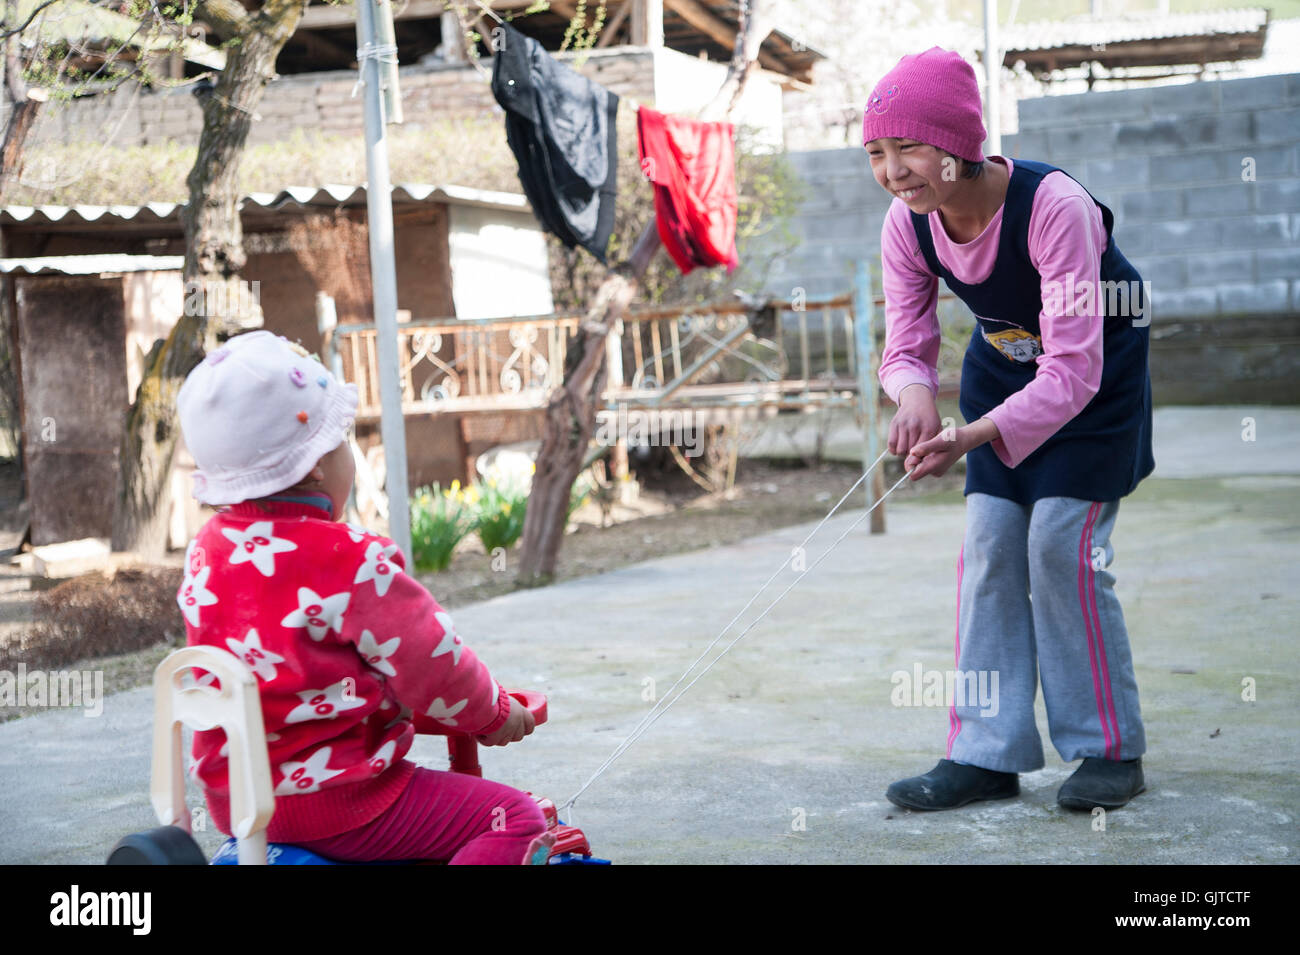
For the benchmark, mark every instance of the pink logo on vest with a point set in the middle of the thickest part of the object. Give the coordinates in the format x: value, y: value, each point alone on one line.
x: 879, y: 103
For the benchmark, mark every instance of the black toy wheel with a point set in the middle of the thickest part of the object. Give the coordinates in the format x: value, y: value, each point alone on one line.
x: 166, y: 845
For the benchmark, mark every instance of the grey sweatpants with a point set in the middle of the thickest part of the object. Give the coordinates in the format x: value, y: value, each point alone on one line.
x: 1034, y: 598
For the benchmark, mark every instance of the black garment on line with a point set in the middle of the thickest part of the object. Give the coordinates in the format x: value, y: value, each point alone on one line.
x: 561, y: 128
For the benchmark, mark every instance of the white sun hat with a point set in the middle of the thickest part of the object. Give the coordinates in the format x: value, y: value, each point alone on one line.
x: 257, y: 414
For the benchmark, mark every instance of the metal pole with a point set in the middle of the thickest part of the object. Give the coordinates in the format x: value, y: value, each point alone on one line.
x: 387, y: 37
x: 864, y: 343
x: 383, y: 277
x: 992, y: 78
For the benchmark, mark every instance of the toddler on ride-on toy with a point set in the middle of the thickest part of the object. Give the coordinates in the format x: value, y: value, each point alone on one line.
x: 352, y: 655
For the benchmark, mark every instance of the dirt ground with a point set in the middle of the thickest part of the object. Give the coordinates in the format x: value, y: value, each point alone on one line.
x: 673, y: 518
x: 46, y: 626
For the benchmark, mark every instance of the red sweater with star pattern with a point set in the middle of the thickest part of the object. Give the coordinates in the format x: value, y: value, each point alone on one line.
x: 351, y: 654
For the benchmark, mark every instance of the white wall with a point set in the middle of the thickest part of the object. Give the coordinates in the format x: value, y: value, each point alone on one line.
x: 154, y: 301
x: 498, y: 263
x: 685, y: 83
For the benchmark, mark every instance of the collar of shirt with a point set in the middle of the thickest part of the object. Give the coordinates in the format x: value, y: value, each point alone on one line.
x: 316, y: 506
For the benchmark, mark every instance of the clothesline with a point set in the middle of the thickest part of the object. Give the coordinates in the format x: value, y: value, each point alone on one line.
x: 490, y: 12
x: 493, y: 14
x: 557, y: 118
x: 635, y: 103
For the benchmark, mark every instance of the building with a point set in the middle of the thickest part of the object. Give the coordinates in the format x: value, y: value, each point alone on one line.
x: 94, y: 287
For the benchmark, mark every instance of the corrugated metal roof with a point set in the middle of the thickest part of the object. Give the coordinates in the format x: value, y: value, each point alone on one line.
x: 303, y: 196
x: 1086, y: 31
x: 91, y: 264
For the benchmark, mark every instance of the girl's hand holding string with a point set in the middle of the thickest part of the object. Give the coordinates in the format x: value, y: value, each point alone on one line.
x: 938, y: 454
x: 917, y: 419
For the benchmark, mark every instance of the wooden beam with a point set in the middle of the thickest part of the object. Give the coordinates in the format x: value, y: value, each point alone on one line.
x: 700, y: 17
x: 648, y: 23
x: 453, y: 40
x: 613, y: 24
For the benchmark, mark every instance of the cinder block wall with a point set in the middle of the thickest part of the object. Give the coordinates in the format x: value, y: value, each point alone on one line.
x: 1204, y: 181
x: 838, y: 224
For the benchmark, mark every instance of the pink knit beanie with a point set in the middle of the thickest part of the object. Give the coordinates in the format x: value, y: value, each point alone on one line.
x: 931, y: 97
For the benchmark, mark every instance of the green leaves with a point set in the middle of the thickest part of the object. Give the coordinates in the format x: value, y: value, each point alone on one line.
x: 500, y: 515
x: 439, y: 521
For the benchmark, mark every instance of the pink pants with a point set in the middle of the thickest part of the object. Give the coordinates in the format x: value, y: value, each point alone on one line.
x: 444, y: 816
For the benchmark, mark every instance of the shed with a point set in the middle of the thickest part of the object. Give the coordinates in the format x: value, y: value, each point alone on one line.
x: 461, y: 253
x: 83, y: 325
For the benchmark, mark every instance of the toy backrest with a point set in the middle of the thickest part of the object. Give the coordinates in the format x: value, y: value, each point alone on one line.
x: 230, y: 702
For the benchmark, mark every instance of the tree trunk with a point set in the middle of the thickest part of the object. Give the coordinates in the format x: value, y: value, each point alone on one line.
x: 568, y: 426
x: 571, y: 411
x: 215, y: 301
x: 24, y: 103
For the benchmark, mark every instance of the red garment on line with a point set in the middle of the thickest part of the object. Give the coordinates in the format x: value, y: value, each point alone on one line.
x: 693, y: 167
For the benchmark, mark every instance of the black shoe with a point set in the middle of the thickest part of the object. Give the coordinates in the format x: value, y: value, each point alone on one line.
x: 950, y: 785
x: 1107, y: 783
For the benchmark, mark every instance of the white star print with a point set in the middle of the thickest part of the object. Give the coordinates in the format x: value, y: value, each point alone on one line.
x: 383, y: 755
x: 327, y: 703
x: 356, y: 532
x: 262, y: 662
x: 377, y: 654
x: 443, y: 713
x: 318, y: 614
x: 256, y: 544
x: 450, y: 641
x: 194, y: 594
x: 378, y: 567
x: 306, y: 777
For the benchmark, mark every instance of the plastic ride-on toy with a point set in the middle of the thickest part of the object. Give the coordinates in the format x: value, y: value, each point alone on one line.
x: 230, y: 701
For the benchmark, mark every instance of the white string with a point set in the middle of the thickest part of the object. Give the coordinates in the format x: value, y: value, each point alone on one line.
x: 489, y: 11
x: 618, y: 751
x: 668, y: 699
x: 382, y: 52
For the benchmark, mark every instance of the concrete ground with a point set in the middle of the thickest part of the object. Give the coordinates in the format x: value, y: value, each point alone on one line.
x: 783, y: 751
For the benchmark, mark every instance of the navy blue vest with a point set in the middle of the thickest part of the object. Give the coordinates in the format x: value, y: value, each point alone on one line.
x: 1103, y: 452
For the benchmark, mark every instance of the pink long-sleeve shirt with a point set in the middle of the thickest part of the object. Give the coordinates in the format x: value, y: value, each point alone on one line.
x: 1066, y: 241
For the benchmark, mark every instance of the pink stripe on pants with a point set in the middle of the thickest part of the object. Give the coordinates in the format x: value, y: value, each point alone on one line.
x: 954, y: 721
x: 1085, y: 571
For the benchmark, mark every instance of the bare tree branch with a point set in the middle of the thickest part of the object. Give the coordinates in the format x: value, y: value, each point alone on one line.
x: 11, y: 31
x: 227, y: 18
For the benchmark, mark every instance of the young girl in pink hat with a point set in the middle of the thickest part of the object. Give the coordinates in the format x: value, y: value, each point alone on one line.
x: 1056, y: 394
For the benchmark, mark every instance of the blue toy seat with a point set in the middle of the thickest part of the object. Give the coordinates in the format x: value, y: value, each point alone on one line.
x: 280, y: 853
